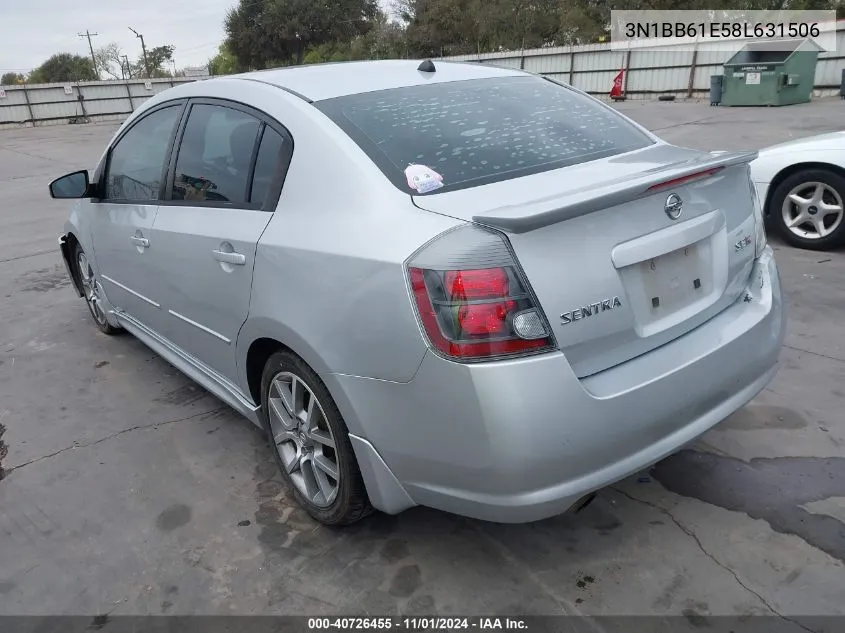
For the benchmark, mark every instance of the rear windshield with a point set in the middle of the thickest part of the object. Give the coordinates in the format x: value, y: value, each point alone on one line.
x: 441, y: 137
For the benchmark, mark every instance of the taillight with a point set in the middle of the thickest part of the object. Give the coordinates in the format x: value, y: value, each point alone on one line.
x: 686, y: 179
x: 477, y: 284
x: 473, y: 301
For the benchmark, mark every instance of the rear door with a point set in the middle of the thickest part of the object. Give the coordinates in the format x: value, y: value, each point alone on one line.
x: 223, y: 186
x: 132, y: 183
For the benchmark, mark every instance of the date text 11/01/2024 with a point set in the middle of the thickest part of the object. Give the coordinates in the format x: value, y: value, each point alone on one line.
x: 417, y: 623
x: 716, y: 30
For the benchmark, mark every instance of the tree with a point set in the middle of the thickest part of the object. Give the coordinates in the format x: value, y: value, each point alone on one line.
x: 224, y: 62
x: 157, y: 57
x: 262, y: 33
x: 384, y: 40
x: 11, y: 79
x: 63, y: 67
x: 110, y: 60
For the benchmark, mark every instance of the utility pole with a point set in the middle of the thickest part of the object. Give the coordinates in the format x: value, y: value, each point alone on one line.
x: 128, y: 67
x: 143, y: 49
x: 91, y: 48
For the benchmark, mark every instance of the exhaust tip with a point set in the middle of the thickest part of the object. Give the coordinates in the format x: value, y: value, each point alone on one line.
x: 583, y: 502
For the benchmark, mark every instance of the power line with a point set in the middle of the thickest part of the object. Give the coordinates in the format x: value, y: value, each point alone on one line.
x: 91, y: 48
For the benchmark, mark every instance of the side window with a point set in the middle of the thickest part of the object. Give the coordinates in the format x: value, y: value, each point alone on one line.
x: 215, y: 155
x: 137, y: 161
x: 273, y: 157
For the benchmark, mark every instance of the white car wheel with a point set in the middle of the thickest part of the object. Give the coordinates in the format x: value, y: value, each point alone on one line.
x: 807, y: 209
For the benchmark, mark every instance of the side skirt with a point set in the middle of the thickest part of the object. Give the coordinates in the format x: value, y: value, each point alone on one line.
x: 193, y: 368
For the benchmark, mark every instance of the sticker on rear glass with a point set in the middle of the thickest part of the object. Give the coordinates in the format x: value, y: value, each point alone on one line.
x: 423, y: 179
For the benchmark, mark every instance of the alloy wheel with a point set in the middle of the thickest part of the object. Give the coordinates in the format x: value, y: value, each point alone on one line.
x: 813, y: 210
x: 303, y: 439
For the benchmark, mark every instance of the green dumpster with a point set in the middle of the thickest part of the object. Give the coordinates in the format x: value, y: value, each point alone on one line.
x: 770, y: 74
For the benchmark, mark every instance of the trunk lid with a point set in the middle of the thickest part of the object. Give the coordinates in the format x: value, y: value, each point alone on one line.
x: 614, y: 273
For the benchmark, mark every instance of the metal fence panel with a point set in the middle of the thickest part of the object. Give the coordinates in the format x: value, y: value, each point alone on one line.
x: 507, y: 62
x: 595, y: 81
x: 13, y: 97
x: 14, y: 114
x: 657, y: 80
x: 829, y: 73
x: 548, y: 64
x: 646, y: 59
x: 702, y: 77
x: 52, y: 94
x: 57, y: 103
x: 599, y: 60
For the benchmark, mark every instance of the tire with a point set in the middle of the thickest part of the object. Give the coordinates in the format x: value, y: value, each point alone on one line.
x: 806, y: 185
x: 92, y: 291
x: 303, y: 455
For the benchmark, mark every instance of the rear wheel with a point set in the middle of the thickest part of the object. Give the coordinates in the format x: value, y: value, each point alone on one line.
x: 310, y: 442
x: 807, y: 209
x: 92, y: 292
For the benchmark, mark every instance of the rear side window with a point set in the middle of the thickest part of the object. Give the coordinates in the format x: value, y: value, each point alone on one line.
x: 136, y: 162
x: 270, y: 165
x: 215, y: 155
x: 468, y: 133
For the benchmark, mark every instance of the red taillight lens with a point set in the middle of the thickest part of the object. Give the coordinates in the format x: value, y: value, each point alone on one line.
x: 485, y: 283
x: 485, y: 319
x: 469, y: 314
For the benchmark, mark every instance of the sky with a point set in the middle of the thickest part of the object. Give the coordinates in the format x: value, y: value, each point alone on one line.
x: 33, y: 30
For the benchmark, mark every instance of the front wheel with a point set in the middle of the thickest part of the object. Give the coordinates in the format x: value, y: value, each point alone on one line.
x: 93, y: 292
x: 807, y: 209
x: 310, y: 442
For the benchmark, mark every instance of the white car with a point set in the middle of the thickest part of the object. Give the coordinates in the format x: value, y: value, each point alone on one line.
x: 802, y: 187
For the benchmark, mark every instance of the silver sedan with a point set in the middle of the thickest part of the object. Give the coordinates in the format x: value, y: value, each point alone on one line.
x: 437, y: 284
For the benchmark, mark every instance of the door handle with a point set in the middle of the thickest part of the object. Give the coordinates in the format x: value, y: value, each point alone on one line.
x: 236, y: 259
x: 140, y: 241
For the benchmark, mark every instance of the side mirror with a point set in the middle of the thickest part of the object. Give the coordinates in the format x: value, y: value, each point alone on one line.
x: 73, y: 185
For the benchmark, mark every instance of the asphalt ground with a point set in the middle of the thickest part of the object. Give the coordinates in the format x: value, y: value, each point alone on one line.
x: 131, y: 490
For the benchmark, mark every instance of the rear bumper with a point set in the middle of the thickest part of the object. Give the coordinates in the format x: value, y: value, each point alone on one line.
x: 523, y: 440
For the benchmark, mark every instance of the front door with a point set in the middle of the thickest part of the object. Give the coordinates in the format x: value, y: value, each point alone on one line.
x: 123, y: 218
x: 221, y: 200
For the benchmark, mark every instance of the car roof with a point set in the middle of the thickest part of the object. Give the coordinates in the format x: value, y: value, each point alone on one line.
x: 326, y: 81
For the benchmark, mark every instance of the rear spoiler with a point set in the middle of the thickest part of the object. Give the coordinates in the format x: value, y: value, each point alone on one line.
x: 539, y: 213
